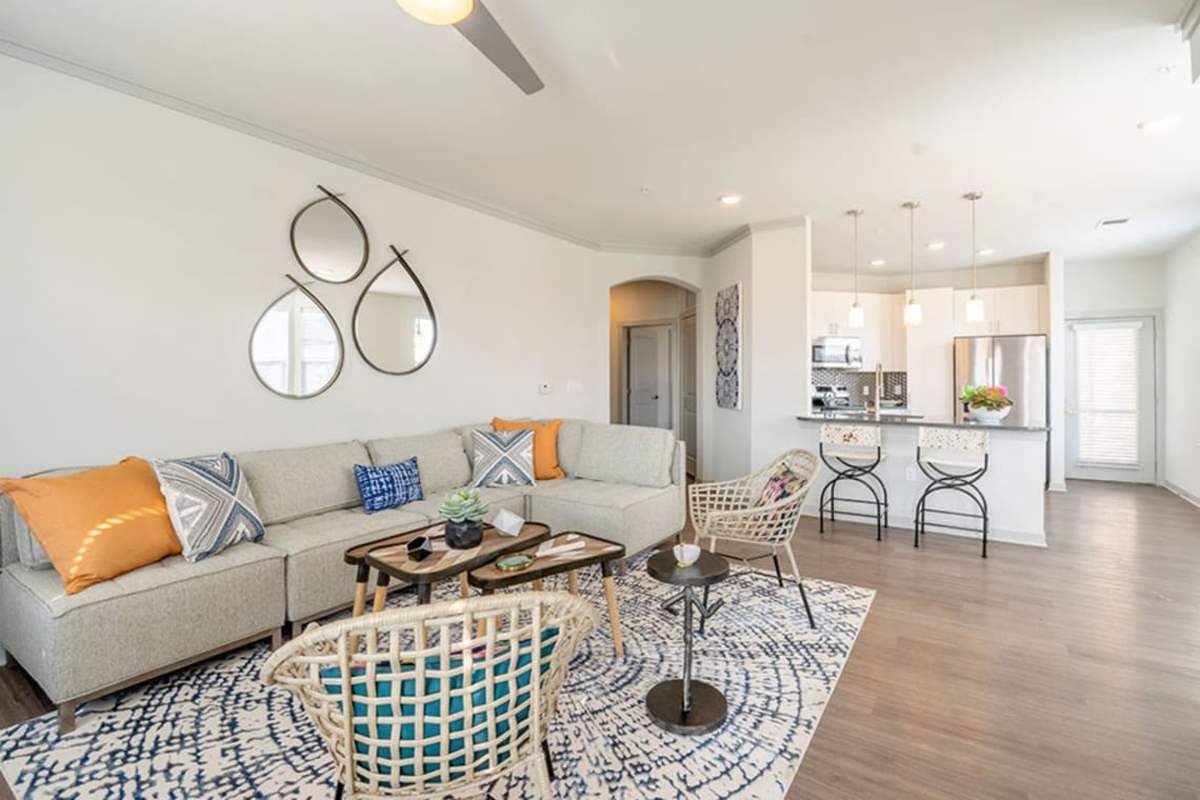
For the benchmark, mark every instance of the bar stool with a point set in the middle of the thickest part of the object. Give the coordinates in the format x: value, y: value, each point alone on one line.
x: 959, y: 459
x: 857, y: 451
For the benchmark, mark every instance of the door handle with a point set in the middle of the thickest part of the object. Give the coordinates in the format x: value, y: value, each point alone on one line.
x: 654, y: 397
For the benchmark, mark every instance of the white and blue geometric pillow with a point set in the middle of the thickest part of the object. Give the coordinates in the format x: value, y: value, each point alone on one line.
x: 389, y: 486
x: 209, y: 502
x: 503, y: 458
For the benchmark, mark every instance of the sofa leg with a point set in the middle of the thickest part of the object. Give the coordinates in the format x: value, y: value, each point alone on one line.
x: 66, y: 717
x: 3, y: 657
x: 276, y: 639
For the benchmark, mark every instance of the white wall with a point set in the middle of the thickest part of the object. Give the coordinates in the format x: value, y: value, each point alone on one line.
x: 1057, y: 342
x: 725, y: 437
x: 1113, y: 286
x: 1182, y: 292
x: 140, y: 245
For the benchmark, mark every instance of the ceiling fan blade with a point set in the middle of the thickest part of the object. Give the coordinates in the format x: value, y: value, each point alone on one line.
x: 482, y: 30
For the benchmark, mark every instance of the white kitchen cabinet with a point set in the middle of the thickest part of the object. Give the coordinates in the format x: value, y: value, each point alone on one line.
x: 1018, y: 310
x: 830, y: 314
x: 882, y: 339
x: 1008, y: 310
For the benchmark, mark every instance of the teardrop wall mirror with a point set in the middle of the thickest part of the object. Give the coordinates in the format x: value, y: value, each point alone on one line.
x: 296, y: 347
x: 394, y: 327
x: 329, y: 240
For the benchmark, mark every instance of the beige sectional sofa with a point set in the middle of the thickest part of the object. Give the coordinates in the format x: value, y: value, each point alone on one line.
x: 623, y: 483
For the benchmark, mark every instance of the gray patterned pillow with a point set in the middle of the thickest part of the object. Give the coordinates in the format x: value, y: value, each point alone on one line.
x: 210, y: 504
x: 503, y: 458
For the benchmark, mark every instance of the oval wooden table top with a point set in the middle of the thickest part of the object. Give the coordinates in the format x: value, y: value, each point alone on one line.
x: 444, y: 561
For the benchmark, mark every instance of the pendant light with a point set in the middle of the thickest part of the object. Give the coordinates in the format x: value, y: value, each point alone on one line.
x: 912, y: 309
x: 857, y: 317
x: 975, y: 311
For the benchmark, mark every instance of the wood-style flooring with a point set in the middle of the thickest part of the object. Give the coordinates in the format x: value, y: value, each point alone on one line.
x: 1071, y: 672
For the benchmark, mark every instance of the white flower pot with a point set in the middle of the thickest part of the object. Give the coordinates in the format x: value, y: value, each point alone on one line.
x: 988, y: 415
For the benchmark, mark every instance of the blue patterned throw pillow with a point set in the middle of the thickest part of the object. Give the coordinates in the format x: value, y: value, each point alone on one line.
x: 209, y: 502
x: 503, y: 458
x: 389, y: 486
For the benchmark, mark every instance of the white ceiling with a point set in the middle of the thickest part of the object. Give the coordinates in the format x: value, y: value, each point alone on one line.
x: 803, y: 106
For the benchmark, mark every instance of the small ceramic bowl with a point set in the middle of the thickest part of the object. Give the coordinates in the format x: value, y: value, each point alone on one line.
x: 686, y: 554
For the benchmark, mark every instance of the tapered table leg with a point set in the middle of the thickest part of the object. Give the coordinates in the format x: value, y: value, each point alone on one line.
x: 360, y: 589
x: 614, y: 614
x: 381, y: 589
x: 573, y: 582
x: 464, y: 588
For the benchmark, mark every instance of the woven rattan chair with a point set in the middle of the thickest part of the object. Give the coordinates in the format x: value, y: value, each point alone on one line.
x: 441, y: 699
x: 732, y: 511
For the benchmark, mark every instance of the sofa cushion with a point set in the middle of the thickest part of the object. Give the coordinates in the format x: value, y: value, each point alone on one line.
x: 638, y: 517
x: 389, y: 485
x: 209, y: 502
x: 496, y: 497
x: 626, y: 454
x: 294, y: 483
x: 141, y: 621
x: 570, y: 438
x: 440, y: 458
x: 503, y: 458
x: 318, y: 579
x: 545, y: 445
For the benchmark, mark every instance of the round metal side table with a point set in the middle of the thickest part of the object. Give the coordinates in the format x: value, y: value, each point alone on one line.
x: 686, y: 706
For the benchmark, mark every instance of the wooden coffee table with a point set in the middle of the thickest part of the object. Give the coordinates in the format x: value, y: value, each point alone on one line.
x: 391, y: 560
x: 595, y: 550
x: 357, y: 557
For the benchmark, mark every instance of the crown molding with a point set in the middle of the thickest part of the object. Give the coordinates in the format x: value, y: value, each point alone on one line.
x: 726, y: 242
x: 1189, y: 21
x: 115, y: 83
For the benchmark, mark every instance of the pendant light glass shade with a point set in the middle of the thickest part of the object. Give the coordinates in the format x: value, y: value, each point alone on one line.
x: 912, y: 309
x: 857, y: 317
x: 975, y: 311
x: 438, y: 12
x: 912, y: 312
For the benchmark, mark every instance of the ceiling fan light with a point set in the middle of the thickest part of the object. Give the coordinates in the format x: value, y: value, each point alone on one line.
x: 438, y: 12
x: 912, y: 313
x: 975, y: 309
x: 858, y: 317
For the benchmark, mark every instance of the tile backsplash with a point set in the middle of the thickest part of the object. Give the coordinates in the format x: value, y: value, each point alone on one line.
x: 895, y: 384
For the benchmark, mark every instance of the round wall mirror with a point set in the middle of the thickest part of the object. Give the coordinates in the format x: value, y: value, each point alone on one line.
x: 395, y: 329
x: 329, y: 240
x: 296, y: 347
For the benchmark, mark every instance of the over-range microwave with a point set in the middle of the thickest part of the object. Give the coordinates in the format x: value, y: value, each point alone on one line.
x: 837, y: 352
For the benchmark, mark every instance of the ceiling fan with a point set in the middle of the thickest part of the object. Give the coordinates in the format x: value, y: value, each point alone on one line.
x: 474, y: 21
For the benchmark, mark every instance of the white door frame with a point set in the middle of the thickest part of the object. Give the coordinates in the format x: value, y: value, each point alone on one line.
x: 683, y: 315
x: 1158, y: 407
x: 623, y: 329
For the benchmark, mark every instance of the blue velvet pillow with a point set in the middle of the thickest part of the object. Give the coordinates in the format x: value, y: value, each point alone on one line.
x: 331, y: 678
x: 389, y: 486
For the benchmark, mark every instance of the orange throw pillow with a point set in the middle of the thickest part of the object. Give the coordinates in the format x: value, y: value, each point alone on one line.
x: 97, y: 524
x: 545, y: 445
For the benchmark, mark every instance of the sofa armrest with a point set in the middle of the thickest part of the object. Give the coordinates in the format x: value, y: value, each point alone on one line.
x: 679, y: 465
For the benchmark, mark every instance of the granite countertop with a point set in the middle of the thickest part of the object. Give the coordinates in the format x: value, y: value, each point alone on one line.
x: 914, y: 420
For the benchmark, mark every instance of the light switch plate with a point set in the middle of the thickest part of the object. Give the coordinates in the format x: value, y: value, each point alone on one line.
x: 543, y: 388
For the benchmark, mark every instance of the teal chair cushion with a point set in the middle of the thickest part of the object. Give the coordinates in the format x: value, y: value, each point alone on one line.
x: 386, y: 716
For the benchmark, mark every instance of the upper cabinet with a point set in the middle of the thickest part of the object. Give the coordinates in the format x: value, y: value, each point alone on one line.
x: 882, y: 338
x: 1008, y: 310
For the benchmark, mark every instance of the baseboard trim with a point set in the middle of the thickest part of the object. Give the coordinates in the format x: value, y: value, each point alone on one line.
x: 1181, y: 493
x: 905, y: 523
x: 1061, y: 486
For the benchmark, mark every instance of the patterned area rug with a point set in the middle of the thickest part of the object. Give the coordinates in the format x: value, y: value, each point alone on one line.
x: 214, y: 731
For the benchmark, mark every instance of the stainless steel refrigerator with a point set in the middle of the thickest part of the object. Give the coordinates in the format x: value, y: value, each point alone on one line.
x: 1016, y: 362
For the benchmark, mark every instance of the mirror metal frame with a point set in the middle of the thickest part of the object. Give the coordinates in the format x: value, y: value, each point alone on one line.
x: 357, y: 223
x: 337, y: 372
x: 399, y: 259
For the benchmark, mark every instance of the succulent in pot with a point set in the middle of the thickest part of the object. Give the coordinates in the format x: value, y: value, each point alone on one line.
x: 464, y: 511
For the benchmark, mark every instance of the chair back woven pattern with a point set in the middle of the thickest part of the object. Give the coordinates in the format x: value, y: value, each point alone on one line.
x: 953, y: 440
x: 851, y: 435
x: 432, y: 700
x: 732, y: 509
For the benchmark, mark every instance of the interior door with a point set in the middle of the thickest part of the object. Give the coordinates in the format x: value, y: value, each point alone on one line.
x: 687, y: 386
x: 649, y: 377
x: 1111, y: 400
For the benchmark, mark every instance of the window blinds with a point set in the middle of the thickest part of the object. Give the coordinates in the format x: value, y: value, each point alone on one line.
x: 1106, y: 356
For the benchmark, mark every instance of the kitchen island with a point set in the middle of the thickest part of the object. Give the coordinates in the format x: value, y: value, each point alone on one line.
x: 1015, y: 482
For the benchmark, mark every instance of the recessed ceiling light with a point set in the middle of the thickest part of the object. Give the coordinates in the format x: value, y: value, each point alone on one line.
x: 879, y: 262
x: 1110, y: 222
x: 987, y: 251
x: 936, y: 245
x: 730, y: 199
x: 438, y: 12
x: 1157, y: 125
